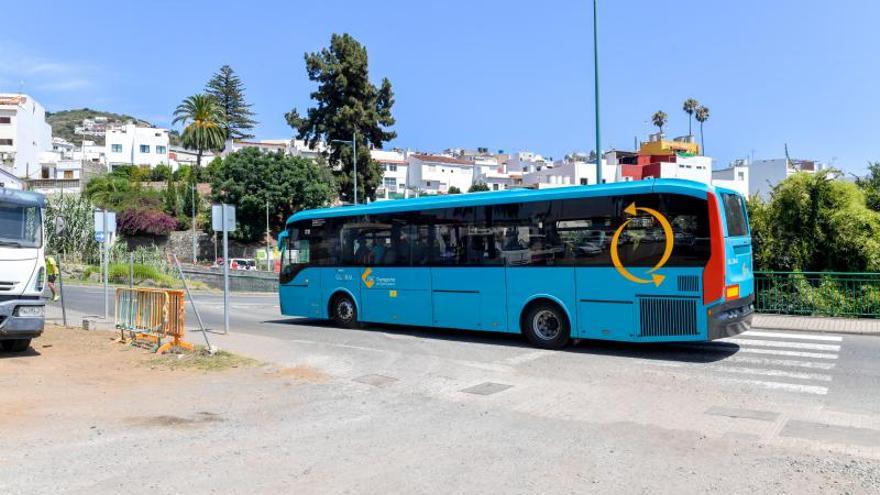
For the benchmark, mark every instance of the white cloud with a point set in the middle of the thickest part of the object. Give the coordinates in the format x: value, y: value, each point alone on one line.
x: 22, y: 69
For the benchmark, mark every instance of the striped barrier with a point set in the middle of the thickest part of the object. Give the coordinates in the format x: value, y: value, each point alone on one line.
x: 152, y: 316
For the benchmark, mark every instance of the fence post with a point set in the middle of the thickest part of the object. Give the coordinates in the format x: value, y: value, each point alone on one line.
x: 61, y: 290
x: 130, y: 270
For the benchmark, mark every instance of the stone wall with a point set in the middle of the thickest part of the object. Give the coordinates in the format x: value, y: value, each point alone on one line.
x: 180, y: 243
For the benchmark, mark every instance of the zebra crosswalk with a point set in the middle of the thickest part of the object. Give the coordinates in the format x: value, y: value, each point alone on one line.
x: 788, y: 361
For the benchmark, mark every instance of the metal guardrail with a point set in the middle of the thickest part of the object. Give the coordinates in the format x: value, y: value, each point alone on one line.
x: 841, y: 294
x: 152, y: 315
x: 239, y: 281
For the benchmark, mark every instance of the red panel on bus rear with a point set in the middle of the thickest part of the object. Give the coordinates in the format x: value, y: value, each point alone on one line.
x: 713, y: 274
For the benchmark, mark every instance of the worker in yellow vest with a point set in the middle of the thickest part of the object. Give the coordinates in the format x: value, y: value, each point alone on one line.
x: 51, y: 275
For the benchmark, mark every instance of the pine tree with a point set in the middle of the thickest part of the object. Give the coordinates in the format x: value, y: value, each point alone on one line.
x: 347, y: 105
x: 226, y: 87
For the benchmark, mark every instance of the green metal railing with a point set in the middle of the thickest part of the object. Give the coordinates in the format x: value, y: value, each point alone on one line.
x: 818, y: 293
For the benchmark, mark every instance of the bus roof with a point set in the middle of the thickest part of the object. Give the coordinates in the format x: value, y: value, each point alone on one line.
x: 678, y: 186
x: 22, y: 198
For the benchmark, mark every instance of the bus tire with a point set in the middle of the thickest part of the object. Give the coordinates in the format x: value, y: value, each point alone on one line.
x: 343, y: 311
x: 546, y: 325
x: 17, y: 345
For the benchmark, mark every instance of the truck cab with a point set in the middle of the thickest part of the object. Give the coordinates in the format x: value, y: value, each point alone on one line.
x: 22, y: 268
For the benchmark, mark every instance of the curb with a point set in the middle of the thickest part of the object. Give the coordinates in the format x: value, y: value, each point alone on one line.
x: 817, y: 324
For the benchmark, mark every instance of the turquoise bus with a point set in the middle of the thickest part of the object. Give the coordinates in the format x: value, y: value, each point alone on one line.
x: 645, y: 261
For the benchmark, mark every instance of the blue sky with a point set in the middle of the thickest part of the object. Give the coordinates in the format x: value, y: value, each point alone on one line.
x: 511, y: 75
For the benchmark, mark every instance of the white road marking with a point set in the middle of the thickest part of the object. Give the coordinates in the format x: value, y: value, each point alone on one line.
x: 789, y: 345
x: 526, y: 357
x: 789, y: 387
x: 767, y: 372
x: 779, y: 352
x: 797, y: 336
x: 779, y: 362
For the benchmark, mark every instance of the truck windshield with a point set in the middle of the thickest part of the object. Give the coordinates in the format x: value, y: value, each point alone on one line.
x: 20, y: 226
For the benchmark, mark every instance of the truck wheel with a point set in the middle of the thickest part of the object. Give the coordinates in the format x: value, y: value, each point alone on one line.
x: 17, y: 345
x: 545, y: 325
x: 343, y: 311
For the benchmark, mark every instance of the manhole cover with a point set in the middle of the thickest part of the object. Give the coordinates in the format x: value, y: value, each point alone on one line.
x: 375, y: 380
x: 487, y: 388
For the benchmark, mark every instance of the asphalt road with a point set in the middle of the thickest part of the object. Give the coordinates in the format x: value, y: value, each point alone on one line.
x: 773, y: 404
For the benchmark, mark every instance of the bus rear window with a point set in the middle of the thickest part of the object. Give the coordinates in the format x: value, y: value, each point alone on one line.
x: 734, y: 212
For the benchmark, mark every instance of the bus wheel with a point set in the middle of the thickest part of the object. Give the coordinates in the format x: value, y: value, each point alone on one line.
x: 17, y: 345
x: 545, y: 325
x: 343, y: 311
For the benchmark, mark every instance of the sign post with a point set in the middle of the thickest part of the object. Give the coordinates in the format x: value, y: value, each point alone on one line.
x: 60, y: 226
x: 105, y: 226
x: 223, y: 219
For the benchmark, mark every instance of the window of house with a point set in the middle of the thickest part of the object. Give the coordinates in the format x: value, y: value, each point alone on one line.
x: 494, y: 187
x: 390, y: 184
x: 6, y: 142
x: 160, y: 150
x: 583, y: 181
x: 68, y: 174
x: 5, y: 120
x: 116, y: 148
x: 391, y: 167
x: 741, y: 175
x: 429, y: 184
x: 145, y: 148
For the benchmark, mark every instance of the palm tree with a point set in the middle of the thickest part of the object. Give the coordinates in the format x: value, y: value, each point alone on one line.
x: 689, y: 107
x: 203, y: 123
x: 702, y: 114
x: 659, y: 119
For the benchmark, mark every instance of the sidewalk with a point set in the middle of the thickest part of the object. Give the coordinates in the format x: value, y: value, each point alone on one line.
x: 863, y: 326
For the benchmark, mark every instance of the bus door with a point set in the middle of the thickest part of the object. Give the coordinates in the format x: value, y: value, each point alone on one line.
x: 739, y: 279
x: 468, y: 284
x: 392, y: 290
x: 299, y: 284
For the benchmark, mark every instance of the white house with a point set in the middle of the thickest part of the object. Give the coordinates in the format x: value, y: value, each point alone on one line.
x: 91, y: 153
x: 394, y: 173
x: 735, y: 176
x: 569, y: 173
x: 433, y: 174
x: 133, y: 145
x: 764, y: 174
x: 63, y: 147
x: 178, y: 155
x: 24, y: 135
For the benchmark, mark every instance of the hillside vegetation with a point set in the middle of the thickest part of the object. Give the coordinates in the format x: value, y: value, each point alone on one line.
x: 64, y: 122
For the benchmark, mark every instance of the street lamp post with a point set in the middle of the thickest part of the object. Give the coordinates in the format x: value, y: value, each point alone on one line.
x: 596, y: 75
x: 354, y: 160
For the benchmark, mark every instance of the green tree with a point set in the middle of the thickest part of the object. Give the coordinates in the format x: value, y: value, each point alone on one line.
x: 347, y: 104
x: 814, y: 222
x: 702, y: 116
x: 203, y: 123
x: 478, y: 187
x: 690, y: 106
x: 251, y: 177
x: 659, y: 119
x: 870, y: 184
x: 228, y: 90
x: 160, y: 173
x: 453, y: 190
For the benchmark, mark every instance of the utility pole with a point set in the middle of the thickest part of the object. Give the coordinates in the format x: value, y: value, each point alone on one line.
x: 106, y: 257
x: 268, y: 239
x: 195, y: 248
x: 596, y: 74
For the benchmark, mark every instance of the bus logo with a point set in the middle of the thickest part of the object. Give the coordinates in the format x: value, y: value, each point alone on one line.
x: 656, y: 278
x: 368, y: 280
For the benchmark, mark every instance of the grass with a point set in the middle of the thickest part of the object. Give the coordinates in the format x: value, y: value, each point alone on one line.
x: 202, y: 360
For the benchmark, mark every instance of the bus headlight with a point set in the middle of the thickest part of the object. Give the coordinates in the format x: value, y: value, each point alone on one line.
x: 40, y: 282
x: 29, y: 311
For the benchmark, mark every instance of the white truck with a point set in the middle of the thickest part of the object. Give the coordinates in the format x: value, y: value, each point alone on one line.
x: 22, y: 268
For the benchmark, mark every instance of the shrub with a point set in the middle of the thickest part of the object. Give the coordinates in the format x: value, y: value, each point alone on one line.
x: 139, y: 221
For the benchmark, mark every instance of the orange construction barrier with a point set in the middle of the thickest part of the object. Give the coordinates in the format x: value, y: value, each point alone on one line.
x: 152, y: 316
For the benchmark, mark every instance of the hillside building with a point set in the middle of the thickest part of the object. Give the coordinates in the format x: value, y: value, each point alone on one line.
x: 133, y: 145
x: 24, y: 135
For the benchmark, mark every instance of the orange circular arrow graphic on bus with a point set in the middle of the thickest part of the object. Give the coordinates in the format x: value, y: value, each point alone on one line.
x: 656, y: 278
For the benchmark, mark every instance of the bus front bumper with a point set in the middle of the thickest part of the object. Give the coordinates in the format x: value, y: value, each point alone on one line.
x: 14, y: 326
x: 731, y: 318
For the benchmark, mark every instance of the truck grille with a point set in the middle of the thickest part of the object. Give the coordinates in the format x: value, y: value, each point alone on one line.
x: 6, y: 285
x: 667, y: 316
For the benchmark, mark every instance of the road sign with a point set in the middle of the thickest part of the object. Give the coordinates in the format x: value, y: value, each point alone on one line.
x: 218, y: 216
x: 99, y: 221
x: 99, y: 236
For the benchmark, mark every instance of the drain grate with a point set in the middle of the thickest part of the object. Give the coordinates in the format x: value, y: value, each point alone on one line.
x: 487, y: 388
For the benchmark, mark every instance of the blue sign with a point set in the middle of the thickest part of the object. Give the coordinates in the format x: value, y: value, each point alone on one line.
x: 99, y: 236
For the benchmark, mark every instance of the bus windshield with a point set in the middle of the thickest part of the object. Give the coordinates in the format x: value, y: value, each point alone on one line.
x: 20, y: 226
